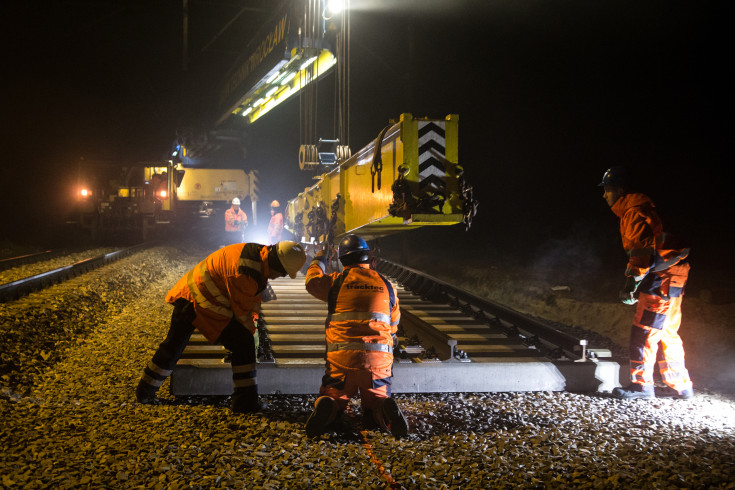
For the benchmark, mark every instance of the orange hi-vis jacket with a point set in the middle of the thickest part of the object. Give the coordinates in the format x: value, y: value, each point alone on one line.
x: 275, y: 228
x: 643, y: 238
x: 363, y: 315
x: 227, y: 283
x: 231, y: 216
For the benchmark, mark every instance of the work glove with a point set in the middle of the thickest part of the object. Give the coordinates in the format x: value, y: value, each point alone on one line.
x: 629, y: 294
x: 321, y: 256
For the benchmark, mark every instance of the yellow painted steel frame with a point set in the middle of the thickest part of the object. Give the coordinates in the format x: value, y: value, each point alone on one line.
x: 425, y: 151
x: 212, y: 184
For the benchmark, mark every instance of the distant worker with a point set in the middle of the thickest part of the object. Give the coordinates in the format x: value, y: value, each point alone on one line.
x: 235, y: 223
x: 275, y: 227
x: 221, y: 298
x: 656, y: 274
x: 360, y: 334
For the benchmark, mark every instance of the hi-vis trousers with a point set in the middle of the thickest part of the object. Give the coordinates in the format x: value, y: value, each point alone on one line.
x: 654, y: 337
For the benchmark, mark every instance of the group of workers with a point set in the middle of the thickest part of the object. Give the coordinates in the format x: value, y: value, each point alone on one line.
x: 236, y: 221
x: 221, y: 297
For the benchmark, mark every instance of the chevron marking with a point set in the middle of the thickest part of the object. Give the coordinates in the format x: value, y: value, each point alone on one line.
x: 433, y: 183
x: 432, y: 159
x: 432, y: 163
x: 432, y: 129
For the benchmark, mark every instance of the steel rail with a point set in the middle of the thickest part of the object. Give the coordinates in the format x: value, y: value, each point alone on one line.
x: 17, y: 289
x: 533, y: 331
x: 10, y: 262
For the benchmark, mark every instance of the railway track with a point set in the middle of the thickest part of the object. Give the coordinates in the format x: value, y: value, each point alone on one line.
x: 18, y: 288
x: 449, y: 341
x: 11, y: 262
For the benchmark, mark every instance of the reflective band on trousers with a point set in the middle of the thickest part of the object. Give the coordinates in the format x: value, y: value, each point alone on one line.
x: 358, y: 316
x: 359, y: 346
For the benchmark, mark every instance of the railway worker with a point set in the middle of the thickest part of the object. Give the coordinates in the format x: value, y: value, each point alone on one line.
x: 235, y: 223
x: 275, y: 227
x: 360, y: 334
x: 221, y: 297
x: 655, y: 277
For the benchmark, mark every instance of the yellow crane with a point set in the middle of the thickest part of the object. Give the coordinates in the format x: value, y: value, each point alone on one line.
x: 407, y: 177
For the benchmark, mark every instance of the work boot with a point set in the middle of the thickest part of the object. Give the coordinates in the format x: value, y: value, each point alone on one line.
x: 669, y: 392
x: 633, y: 391
x: 394, y: 418
x: 317, y: 422
x: 685, y: 394
x: 145, y: 393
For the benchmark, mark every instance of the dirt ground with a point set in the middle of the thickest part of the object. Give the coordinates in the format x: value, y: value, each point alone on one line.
x: 707, y: 320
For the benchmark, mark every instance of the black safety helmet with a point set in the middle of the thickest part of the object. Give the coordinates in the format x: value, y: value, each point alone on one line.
x: 353, y: 250
x: 616, y: 176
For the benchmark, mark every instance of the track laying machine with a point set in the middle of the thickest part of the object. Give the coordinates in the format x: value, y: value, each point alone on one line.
x: 137, y: 202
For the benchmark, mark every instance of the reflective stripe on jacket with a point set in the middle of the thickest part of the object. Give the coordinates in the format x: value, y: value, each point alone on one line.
x: 227, y: 283
x: 231, y: 216
x: 643, y: 238
x: 363, y: 305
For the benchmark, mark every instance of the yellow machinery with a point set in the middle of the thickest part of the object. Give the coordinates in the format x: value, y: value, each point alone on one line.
x: 408, y: 177
x: 206, y: 184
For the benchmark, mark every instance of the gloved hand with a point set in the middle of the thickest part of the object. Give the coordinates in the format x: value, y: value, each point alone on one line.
x: 628, y: 294
x: 321, y: 257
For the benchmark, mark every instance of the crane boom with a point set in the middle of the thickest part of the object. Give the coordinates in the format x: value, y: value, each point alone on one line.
x: 408, y: 177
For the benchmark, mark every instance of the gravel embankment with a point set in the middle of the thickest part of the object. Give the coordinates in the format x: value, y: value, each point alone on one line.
x: 70, y: 418
x: 28, y: 270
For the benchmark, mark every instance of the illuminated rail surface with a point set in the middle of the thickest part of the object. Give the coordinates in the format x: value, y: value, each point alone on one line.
x: 449, y: 340
x: 16, y: 289
x: 11, y: 262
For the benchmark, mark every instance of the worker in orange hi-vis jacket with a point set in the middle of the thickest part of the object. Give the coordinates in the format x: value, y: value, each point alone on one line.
x: 235, y: 223
x: 221, y: 298
x: 656, y: 274
x: 275, y: 226
x: 360, y: 334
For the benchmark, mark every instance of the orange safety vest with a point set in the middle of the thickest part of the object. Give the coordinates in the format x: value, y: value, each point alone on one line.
x: 363, y: 314
x: 227, y: 283
x: 231, y: 216
x: 275, y: 228
x: 647, y: 246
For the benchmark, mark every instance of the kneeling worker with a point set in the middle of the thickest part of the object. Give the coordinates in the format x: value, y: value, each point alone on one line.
x: 360, y: 331
x: 221, y: 298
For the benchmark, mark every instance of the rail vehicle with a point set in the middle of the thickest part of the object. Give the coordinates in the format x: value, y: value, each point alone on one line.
x: 144, y: 201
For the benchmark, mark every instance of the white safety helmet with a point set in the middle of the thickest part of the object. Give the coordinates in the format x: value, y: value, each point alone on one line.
x: 236, y: 202
x: 292, y: 257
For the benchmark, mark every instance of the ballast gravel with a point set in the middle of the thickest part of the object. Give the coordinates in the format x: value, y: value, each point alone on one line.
x: 70, y: 420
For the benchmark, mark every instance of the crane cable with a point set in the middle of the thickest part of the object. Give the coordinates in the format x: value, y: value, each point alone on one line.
x: 342, y: 80
x: 308, y: 100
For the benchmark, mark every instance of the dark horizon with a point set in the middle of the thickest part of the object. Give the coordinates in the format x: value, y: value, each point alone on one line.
x: 548, y: 95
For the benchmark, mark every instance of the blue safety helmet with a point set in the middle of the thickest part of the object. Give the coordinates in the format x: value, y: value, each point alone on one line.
x: 353, y: 250
x: 616, y: 176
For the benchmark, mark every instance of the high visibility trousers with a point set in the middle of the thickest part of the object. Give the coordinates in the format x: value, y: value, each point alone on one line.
x: 170, y: 350
x: 372, y: 380
x: 657, y: 322
x: 241, y: 343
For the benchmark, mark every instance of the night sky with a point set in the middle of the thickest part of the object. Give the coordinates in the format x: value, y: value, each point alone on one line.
x: 549, y: 95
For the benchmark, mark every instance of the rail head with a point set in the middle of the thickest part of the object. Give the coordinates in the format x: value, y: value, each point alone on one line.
x: 431, y: 287
x: 22, y: 287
